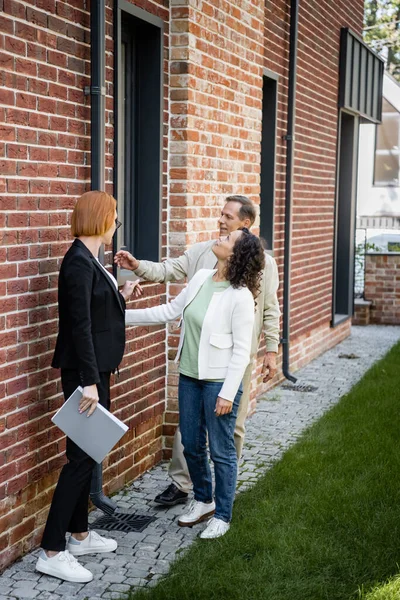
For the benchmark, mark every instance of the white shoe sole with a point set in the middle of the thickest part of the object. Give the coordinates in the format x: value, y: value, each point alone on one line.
x: 212, y: 537
x: 199, y: 520
x: 75, y: 551
x: 43, y: 567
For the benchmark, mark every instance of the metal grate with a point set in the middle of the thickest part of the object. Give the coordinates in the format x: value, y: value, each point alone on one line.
x: 126, y: 522
x: 299, y: 387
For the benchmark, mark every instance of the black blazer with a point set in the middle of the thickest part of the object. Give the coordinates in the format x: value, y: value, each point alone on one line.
x: 91, y: 336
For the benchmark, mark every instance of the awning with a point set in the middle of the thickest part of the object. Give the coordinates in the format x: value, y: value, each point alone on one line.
x: 361, y: 78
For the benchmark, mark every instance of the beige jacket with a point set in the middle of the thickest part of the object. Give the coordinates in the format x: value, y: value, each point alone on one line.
x: 201, y: 256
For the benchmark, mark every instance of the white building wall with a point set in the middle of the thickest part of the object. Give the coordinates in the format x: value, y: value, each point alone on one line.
x: 373, y: 200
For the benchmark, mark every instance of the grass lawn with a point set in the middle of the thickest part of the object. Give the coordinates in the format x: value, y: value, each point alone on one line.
x: 323, y: 523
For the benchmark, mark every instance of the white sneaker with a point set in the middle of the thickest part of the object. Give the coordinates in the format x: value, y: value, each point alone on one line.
x: 216, y: 528
x: 64, y: 566
x: 91, y: 545
x: 197, y: 512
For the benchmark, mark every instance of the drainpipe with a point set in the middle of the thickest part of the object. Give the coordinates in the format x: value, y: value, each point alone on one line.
x: 289, y: 137
x: 97, y: 93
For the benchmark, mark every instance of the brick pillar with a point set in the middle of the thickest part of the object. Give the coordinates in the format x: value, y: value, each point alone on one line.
x: 382, y: 287
x: 216, y: 65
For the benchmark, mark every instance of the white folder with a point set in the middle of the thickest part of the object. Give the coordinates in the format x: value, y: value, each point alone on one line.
x: 95, y: 435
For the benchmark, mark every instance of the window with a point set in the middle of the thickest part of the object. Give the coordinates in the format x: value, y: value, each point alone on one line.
x: 268, y: 150
x: 387, y: 152
x: 139, y: 132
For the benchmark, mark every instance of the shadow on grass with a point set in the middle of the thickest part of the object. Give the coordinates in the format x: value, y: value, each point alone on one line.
x: 323, y: 523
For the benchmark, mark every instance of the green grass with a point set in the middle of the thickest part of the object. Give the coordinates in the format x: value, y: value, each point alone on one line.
x: 387, y: 591
x: 323, y: 523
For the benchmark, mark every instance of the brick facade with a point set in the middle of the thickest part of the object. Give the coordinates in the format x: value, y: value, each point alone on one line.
x: 214, y: 58
x: 382, y: 287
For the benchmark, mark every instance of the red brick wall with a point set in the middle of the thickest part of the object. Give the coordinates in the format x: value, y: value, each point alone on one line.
x: 44, y: 167
x: 314, y: 165
x: 382, y: 288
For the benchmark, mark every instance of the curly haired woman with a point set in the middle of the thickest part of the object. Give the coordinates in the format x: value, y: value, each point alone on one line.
x: 217, y: 311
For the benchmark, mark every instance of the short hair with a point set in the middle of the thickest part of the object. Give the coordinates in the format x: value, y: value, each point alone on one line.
x: 247, y: 209
x: 93, y: 214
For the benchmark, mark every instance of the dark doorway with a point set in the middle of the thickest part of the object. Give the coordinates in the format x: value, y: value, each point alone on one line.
x: 343, y: 284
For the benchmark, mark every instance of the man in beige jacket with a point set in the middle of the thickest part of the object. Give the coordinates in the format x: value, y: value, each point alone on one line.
x: 238, y: 212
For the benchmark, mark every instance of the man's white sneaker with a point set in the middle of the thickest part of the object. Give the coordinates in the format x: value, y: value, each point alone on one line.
x: 197, y: 512
x: 216, y: 528
x: 93, y: 544
x: 64, y: 566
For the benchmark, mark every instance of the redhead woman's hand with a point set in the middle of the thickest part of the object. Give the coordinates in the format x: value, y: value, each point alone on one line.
x: 125, y: 260
x: 131, y: 287
x: 89, y: 399
x: 223, y: 407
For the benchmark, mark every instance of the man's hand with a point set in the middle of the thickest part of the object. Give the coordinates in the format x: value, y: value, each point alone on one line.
x: 131, y: 287
x: 222, y: 407
x: 124, y: 260
x: 89, y: 399
x: 269, y: 366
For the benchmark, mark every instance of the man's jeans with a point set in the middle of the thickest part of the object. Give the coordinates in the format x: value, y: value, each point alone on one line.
x: 197, y: 400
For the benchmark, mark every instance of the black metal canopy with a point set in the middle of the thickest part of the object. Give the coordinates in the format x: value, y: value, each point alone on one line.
x: 361, y: 78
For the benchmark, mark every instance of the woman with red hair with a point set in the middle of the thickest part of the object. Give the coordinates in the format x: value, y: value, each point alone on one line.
x: 90, y: 346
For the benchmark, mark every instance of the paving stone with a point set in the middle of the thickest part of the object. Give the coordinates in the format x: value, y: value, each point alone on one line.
x: 136, y: 581
x: 69, y: 588
x: 114, y: 577
x: 94, y: 588
x: 48, y: 586
x: 52, y: 596
x: 6, y: 581
x: 27, y: 575
x: 25, y: 592
x: 10, y: 571
x: 116, y: 561
x: 24, y: 584
x: 120, y: 587
x: 136, y: 572
x: 95, y: 568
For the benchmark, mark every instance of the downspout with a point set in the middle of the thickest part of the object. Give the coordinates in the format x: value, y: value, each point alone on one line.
x: 97, y: 155
x: 289, y: 137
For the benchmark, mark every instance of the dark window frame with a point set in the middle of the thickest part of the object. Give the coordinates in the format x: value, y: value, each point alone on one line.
x: 140, y: 173
x: 268, y: 157
x: 344, y: 234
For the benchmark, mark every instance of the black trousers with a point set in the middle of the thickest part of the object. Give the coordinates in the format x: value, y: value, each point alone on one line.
x: 70, y: 504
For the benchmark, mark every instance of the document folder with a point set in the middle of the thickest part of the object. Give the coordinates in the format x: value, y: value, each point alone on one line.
x: 95, y: 435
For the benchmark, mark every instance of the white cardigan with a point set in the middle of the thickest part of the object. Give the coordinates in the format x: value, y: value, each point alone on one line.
x: 226, y: 334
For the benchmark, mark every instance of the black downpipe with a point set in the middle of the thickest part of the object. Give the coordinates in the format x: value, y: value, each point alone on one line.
x: 291, y: 114
x: 97, y: 154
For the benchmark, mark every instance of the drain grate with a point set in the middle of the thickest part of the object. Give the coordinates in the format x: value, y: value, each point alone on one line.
x: 299, y: 387
x: 120, y: 521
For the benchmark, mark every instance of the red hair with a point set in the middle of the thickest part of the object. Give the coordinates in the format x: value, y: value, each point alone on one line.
x: 93, y: 214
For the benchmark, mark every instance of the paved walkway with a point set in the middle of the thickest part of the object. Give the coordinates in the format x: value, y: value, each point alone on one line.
x: 282, y: 415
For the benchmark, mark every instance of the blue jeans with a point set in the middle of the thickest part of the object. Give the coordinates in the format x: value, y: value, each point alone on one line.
x: 197, y: 400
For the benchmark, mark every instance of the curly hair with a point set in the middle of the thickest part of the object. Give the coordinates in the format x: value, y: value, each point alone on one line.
x: 245, y: 265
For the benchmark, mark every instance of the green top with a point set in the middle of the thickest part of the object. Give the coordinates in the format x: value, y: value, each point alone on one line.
x: 194, y: 315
